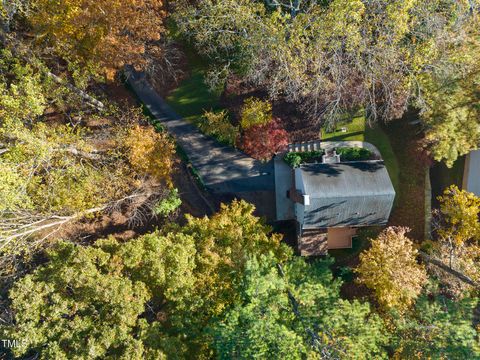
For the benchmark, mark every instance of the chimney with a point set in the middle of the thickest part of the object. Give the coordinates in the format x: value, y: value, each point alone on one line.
x: 330, y: 157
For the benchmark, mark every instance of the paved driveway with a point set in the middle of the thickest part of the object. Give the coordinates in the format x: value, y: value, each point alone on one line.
x: 221, y: 168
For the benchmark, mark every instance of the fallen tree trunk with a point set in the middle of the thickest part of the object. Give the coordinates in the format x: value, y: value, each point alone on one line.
x: 446, y: 268
x: 4, y: 39
x: 90, y: 100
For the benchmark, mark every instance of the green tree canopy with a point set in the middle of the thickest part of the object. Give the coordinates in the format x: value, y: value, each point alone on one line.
x: 295, y: 312
x: 137, y: 299
x: 90, y: 302
x: 437, y: 328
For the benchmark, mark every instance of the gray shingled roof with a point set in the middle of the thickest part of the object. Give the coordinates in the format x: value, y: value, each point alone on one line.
x: 347, y: 194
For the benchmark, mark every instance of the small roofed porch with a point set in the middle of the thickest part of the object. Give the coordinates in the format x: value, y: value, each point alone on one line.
x: 316, y: 242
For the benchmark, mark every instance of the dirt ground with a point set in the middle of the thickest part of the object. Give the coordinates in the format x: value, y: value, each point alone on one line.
x: 195, y: 200
x: 298, y: 126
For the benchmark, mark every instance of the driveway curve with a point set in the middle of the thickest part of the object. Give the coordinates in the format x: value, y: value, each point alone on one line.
x: 221, y: 168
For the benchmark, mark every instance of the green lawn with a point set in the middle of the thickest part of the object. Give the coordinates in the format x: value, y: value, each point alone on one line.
x: 377, y: 137
x: 192, y: 96
x: 357, y: 130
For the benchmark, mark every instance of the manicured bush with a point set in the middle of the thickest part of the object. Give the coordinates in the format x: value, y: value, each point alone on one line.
x: 217, y: 124
x: 295, y: 159
x: 263, y: 141
x: 255, y: 112
x: 354, y: 154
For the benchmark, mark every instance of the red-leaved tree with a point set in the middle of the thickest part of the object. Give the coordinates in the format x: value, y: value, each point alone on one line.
x: 263, y: 141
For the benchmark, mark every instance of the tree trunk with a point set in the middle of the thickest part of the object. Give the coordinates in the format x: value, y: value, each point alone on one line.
x: 90, y: 100
x: 446, y: 268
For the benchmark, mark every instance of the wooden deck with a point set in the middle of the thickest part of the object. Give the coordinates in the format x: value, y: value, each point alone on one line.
x: 317, y: 242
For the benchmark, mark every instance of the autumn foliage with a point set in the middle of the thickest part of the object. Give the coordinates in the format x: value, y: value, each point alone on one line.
x: 151, y: 153
x: 391, y: 270
x: 263, y: 141
x: 255, y: 112
x: 105, y: 35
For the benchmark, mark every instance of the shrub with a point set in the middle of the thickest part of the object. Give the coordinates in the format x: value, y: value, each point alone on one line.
x: 255, y: 112
x: 263, y: 141
x: 354, y: 154
x: 295, y: 159
x: 218, y: 126
x: 169, y: 204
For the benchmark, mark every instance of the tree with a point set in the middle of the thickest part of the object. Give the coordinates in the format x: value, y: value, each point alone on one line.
x: 141, y: 296
x: 459, y: 210
x: 451, y: 97
x: 390, y: 269
x: 91, y: 301
x: 294, y: 312
x: 22, y: 90
x: 151, y: 152
x: 437, y: 328
x: 263, y: 141
x: 457, y: 229
x: 56, y: 169
x: 223, y: 242
x: 255, y: 112
x: 334, y: 57
x: 98, y: 35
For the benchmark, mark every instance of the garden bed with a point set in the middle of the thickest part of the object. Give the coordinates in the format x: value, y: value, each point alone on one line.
x: 354, y: 154
x: 295, y: 159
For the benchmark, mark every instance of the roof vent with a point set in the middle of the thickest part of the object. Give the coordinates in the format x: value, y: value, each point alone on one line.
x: 306, y: 200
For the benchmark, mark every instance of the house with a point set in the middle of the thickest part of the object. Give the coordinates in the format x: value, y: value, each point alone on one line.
x: 329, y: 198
x: 471, y: 182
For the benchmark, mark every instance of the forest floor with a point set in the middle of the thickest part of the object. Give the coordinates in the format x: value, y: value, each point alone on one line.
x: 442, y: 177
x: 195, y: 200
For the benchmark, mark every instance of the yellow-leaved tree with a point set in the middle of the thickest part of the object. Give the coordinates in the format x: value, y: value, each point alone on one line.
x: 457, y: 229
x: 390, y: 269
x: 255, y: 112
x: 102, y: 35
x: 151, y: 152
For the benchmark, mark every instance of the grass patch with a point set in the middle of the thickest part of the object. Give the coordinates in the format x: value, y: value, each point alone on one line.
x: 376, y: 136
x: 192, y: 96
x: 355, y: 131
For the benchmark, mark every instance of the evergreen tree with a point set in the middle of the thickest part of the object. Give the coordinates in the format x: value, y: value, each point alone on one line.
x: 294, y: 311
